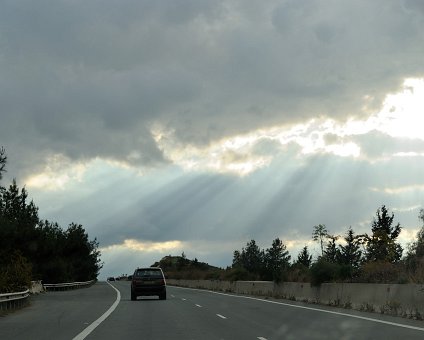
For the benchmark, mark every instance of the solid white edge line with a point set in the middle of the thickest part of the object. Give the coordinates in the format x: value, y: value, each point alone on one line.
x: 96, y: 323
x: 313, y: 309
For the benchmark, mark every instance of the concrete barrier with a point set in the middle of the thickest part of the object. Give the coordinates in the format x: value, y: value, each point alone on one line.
x: 36, y: 287
x: 405, y: 300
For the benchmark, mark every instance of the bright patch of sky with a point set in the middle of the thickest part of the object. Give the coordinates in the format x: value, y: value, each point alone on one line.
x: 58, y: 172
x: 402, y: 115
x: 147, y: 246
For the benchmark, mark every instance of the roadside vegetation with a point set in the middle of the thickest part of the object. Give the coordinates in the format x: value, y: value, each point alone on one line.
x: 180, y: 267
x: 34, y: 249
x: 376, y: 257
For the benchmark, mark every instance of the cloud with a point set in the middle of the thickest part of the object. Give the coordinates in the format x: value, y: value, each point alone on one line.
x: 94, y: 82
x: 376, y: 144
x: 137, y: 118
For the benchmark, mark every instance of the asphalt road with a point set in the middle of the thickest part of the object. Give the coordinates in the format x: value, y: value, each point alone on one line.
x: 192, y: 314
x: 57, y: 315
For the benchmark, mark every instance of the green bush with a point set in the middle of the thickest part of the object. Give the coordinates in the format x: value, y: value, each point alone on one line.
x: 323, y: 271
x: 238, y: 274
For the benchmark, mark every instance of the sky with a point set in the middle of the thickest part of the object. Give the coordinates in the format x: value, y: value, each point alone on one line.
x: 195, y: 126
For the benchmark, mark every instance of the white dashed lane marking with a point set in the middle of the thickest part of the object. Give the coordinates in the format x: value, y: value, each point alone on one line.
x: 221, y: 316
x: 198, y: 305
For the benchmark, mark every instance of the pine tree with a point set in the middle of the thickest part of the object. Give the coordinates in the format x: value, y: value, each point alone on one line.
x: 304, y: 257
x: 331, y: 253
x: 277, y: 259
x: 252, y: 258
x: 381, y: 245
x: 3, y: 160
x: 350, y: 254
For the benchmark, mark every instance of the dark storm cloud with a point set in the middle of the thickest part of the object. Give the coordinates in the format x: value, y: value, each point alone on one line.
x: 90, y: 78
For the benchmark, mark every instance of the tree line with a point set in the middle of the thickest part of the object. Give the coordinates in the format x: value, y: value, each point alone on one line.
x: 35, y: 249
x: 374, y: 257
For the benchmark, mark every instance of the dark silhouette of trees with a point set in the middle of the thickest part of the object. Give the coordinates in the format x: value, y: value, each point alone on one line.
x: 237, y: 259
x: 357, y: 258
x: 327, y: 267
x: 86, y: 265
x: 253, y: 263
x: 417, y: 247
x: 381, y: 245
x: 252, y: 258
x: 277, y: 260
x: 3, y: 160
x: 300, y: 269
x: 331, y: 252
x: 415, y: 256
x: 18, y: 235
x: 36, y: 249
x: 324, y: 271
x: 304, y: 258
x: 350, y: 254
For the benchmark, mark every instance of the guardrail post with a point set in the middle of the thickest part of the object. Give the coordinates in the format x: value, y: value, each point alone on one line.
x: 11, y: 301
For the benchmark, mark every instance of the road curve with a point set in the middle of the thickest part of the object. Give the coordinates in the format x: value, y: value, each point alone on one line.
x: 193, y: 314
x: 58, y: 315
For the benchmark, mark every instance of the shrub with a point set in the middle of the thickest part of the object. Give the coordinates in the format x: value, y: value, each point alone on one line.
x: 16, y: 274
x: 237, y: 274
x: 382, y: 272
x: 323, y: 271
x: 415, y: 268
x: 299, y: 273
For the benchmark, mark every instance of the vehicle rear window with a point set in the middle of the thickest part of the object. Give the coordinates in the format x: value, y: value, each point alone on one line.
x: 148, y: 273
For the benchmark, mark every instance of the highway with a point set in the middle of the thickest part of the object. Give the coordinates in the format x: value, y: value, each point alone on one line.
x: 102, y: 312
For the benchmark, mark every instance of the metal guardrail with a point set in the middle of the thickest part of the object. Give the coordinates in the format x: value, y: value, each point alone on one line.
x: 10, y: 301
x: 52, y: 286
x: 67, y: 285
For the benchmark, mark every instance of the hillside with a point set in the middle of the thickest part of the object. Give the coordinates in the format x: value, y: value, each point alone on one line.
x: 179, y: 267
